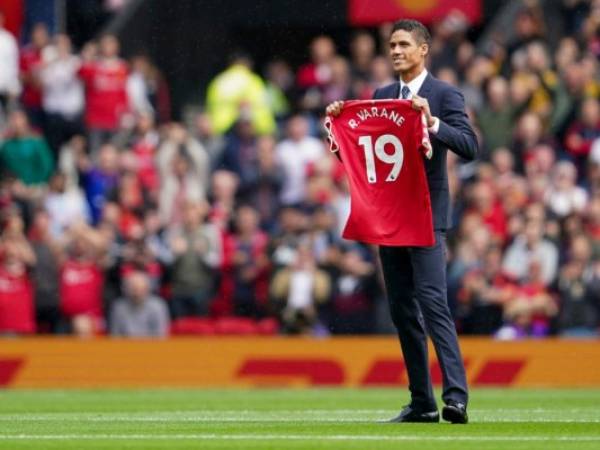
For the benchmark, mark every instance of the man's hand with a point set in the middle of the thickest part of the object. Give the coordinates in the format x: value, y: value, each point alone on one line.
x: 421, y: 104
x: 335, y: 108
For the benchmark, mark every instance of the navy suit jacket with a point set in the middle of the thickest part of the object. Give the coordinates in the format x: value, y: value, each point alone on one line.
x: 455, y: 133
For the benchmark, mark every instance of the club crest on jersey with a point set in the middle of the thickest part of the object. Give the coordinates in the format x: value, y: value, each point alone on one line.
x: 369, y: 113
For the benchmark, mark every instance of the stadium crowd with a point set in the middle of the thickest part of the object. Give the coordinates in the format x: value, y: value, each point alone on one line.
x: 115, y: 219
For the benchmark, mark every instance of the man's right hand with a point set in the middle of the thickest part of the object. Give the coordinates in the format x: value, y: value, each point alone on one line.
x: 335, y: 108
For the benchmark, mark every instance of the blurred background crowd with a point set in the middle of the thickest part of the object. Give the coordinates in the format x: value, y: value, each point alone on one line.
x: 117, y: 219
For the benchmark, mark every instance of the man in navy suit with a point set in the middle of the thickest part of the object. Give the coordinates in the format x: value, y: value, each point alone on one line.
x: 415, y: 277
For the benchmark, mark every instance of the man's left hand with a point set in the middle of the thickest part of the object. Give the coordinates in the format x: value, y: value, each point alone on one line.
x: 421, y: 104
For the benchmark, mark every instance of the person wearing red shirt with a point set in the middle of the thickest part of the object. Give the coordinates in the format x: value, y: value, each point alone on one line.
x: 486, y: 204
x: 313, y: 76
x: 16, y: 290
x: 81, y: 285
x: 105, y: 81
x: 29, y: 63
x: 144, y: 147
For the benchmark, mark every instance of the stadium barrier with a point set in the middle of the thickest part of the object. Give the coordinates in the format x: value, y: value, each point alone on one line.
x: 281, y: 361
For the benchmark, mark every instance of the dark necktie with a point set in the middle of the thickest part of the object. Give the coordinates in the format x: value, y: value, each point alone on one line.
x: 405, y: 92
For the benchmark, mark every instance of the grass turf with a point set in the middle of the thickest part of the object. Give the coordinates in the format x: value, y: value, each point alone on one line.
x: 283, y: 419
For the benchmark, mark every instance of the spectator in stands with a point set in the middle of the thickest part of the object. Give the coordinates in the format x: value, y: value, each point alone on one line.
x: 70, y: 154
x: 197, y: 253
x: 582, y: 133
x: 566, y: 54
x: 148, y: 90
x: 503, y: 163
x: 142, y: 147
x: 530, y: 246
x: 544, y: 81
x: 240, y: 153
x: 279, y: 80
x: 237, y: 91
x: 589, y: 28
x: 184, y: 173
x: 564, y: 197
x: 45, y: 275
x: 322, y: 237
x: 298, y: 290
x: 313, y: 76
x: 340, y: 83
x: 250, y: 265
x: 486, y: 204
x: 578, y: 291
x: 17, y: 313
x: 294, y: 155
x: 483, y: 293
x: 317, y: 73
x: 62, y: 92
x: 380, y: 75
x: 214, y: 144
x: 362, y: 52
x: 293, y: 227
x: 82, y: 281
x: 25, y: 154
x: 139, y: 313
x: 10, y: 86
x: 106, y: 101
x: 132, y: 201
x: 531, y: 307
x: 529, y: 27
x: 65, y: 205
x: 529, y: 135
x: 262, y: 189
x: 355, y: 291
x: 479, y: 69
x: 155, y: 240
x: 99, y: 178
x: 29, y: 63
x: 473, y: 241
x: 496, y: 117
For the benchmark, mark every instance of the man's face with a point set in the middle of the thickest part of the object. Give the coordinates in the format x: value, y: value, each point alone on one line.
x: 405, y: 51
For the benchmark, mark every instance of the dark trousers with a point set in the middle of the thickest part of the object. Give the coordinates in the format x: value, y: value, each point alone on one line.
x: 415, y: 279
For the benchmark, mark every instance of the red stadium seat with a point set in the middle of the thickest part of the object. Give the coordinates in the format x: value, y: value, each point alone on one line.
x: 236, y: 325
x: 192, y: 326
x: 267, y: 326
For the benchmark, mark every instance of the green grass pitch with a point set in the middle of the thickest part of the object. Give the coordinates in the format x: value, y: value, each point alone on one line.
x: 283, y: 419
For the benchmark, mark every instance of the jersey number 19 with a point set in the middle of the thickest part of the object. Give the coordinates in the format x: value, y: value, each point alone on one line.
x: 396, y: 158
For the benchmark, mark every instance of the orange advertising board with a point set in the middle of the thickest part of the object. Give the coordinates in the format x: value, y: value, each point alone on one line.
x: 281, y: 361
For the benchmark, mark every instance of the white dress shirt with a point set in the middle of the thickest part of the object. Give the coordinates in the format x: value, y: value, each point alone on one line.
x: 414, y: 86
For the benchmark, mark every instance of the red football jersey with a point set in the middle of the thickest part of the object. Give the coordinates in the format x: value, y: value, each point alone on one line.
x: 16, y: 303
x: 105, y: 93
x: 381, y: 144
x: 81, y: 288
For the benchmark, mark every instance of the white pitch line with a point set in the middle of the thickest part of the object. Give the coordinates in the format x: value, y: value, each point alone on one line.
x: 296, y: 437
x: 539, y: 415
x: 299, y: 419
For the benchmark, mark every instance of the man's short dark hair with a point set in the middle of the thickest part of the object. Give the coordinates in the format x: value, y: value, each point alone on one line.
x: 416, y: 28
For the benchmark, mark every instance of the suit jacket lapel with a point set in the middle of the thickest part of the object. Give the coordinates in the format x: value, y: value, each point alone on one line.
x: 426, y: 86
x: 397, y: 90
